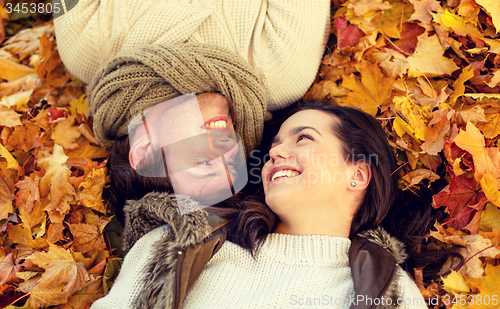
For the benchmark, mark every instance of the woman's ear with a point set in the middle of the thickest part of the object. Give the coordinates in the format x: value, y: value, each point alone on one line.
x: 138, y: 151
x: 360, y: 176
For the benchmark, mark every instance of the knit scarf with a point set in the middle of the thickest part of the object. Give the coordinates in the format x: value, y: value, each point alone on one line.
x: 136, y: 79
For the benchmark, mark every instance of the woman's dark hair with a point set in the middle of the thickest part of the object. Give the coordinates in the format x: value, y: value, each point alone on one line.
x: 404, y: 216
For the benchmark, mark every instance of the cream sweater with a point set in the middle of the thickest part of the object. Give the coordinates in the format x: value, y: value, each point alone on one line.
x: 290, y: 271
x: 282, y: 39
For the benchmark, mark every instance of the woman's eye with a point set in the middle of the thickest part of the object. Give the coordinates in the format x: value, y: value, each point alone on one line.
x: 304, y: 136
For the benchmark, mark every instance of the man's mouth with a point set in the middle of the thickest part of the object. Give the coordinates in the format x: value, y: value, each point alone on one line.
x: 216, y: 123
x: 284, y: 173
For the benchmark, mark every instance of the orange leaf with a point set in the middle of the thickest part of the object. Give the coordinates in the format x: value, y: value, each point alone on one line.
x: 486, y: 159
x: 5, y: 197
x: 28, y: 192
x: 91, y: 190
x: 62, y: 277
x: 50, y: 68
x: 56, y: 178
x: 10, y: 70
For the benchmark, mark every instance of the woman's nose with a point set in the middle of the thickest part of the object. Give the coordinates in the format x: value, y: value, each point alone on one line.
x: 278, y: 152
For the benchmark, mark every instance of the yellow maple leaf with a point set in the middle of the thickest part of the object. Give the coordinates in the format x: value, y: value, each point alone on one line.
x: 486, y: 159
x: 373, y: 90
x: 428, y: 58
x: 458, y: 85
x: 79, y: 105
x: 455, y: 282
x: 491, y: 189
x: 488, y: 287
x: 56, y: 178
x: 11, y: 161
x: 490, y: 218
x: 414, y: 116
x: 491, y: 126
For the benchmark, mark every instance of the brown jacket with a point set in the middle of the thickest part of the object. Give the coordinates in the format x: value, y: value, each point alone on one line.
x: 179, y: 258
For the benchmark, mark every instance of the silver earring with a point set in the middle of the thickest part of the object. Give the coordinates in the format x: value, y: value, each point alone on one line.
x: 353, y: 184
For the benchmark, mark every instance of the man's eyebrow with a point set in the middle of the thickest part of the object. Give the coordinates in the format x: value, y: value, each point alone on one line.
x: 294, y: 131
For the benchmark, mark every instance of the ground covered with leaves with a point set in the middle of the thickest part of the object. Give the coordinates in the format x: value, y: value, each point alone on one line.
x: 429, y: 70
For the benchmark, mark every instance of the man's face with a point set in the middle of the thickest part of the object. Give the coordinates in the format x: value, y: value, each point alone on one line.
x: 194, y: 138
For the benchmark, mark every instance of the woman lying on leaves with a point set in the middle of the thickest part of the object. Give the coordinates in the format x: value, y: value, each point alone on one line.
x: 318, y: 239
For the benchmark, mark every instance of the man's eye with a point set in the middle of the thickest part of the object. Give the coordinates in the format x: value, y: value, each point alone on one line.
x: 206, y: 163
x: 304, y: 136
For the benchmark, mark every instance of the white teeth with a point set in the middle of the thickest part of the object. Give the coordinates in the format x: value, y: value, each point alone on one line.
x: 284, y: 173
x: 221, y: 124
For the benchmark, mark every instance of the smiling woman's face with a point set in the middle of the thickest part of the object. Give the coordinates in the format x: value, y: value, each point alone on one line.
x: 306, y: 173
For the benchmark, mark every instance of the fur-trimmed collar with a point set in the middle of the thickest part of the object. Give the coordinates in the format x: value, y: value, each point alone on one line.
x: 159, y: 209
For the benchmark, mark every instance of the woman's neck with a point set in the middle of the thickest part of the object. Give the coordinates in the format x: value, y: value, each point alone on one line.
x: 300, y: 228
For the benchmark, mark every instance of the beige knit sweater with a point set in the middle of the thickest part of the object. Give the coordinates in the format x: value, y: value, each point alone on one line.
x: 282, y: 39
x: 290, y: 271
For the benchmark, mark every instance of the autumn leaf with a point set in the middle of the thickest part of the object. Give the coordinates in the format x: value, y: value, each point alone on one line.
x: 56, y: 178
x: 27, y: 82
x: 84, y: 298
x: 50, y: 68
x: 5, y: 198
x: 62, y: 277
x: 25, y: 137
x: 428, y: 59
x: 493, y: 9
x: 9, y: 118
x: 8, y: 269
x: 423, y: 9
x: 66, y: 134
x: 368, y: 94
x: 90, y: 193
x: 347, y: 35
x: 488, y: 286
x: 21, y: 235
x: 10, y: 70
x: 437, y: 129
x: 87, y: 236
x: 491, y: 125
x: 27, y: 41
x: 474, y: 247
x: 490, y: 218
x: 491, y: 188
x: 459, y: 197
x: 28, y: 192
x: 486, y: 159
x: 455, y: 282
x: 416, y: 176
x: 11, y: 161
